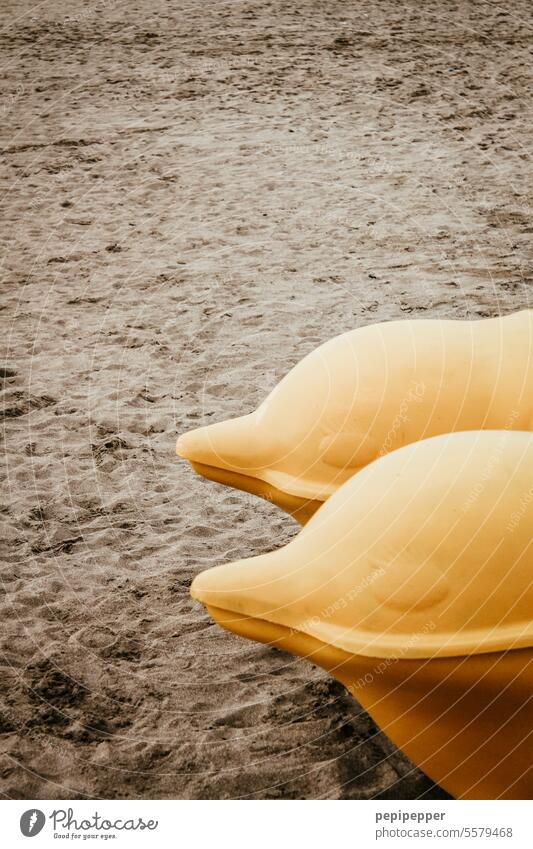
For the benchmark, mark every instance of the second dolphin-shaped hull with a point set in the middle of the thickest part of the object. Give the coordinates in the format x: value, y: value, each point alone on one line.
x: 364, y: 394
x: 412, y: 586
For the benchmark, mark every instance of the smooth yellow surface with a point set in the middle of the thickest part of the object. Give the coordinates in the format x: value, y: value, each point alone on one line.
x: 466, y: 721
x: 369, y: 392
x: 427, y: 552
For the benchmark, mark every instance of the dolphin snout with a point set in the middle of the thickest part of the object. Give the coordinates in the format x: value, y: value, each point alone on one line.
x: 236, y: 444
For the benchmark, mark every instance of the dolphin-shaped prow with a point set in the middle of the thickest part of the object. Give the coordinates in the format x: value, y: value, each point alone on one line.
x: 364, y: 394
x: 411, y: 586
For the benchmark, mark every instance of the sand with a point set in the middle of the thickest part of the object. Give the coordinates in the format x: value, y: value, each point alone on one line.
x: 194, y: 197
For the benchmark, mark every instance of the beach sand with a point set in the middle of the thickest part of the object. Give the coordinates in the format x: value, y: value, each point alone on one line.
x: 195, y: 196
